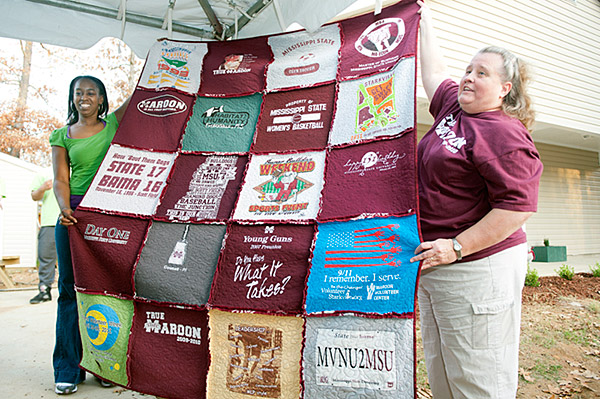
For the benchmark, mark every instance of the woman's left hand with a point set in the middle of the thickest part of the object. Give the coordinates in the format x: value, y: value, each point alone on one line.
x: 433, y: 253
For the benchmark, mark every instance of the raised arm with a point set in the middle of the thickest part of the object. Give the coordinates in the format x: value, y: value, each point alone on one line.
x: 121, y: 110
x: 433, y: 65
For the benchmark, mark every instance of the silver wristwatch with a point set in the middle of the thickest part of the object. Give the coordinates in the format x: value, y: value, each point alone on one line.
x: 457, y: 249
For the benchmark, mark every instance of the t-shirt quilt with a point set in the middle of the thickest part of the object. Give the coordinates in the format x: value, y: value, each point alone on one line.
x: 249, y: 231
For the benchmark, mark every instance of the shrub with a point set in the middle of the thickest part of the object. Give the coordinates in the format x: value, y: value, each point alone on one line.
x: 532, y: 278
x: 595, y: 270
x: 546, y: 242
x: 566, y: 272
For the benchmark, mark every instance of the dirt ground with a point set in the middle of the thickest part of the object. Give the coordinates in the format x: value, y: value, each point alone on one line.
x: 560, y: 338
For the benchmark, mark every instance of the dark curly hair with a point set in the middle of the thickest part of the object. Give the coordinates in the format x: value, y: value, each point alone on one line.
x: 73, y: 115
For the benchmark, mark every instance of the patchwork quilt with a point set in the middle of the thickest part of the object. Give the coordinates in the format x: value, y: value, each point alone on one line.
x: 249, y: 231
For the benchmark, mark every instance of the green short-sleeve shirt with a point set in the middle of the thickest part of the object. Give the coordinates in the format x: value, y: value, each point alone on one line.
x: 50, y: 209
x: 85, y: 155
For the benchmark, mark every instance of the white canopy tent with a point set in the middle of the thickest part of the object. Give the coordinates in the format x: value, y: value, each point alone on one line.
x: 81, y: 23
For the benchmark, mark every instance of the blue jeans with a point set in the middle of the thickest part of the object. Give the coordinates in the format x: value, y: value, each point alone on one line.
x: 67, y: 349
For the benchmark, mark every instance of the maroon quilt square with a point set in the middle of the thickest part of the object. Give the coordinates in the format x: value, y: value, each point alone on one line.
x: 202, y: 187
x: 235, y: 68
x: 168, y: 351
x: 375, y: 43
x: 106, y: 248
x: 373, y: 178
x: 263, y: 267
x: 155, y: 120
x: 295, y: 120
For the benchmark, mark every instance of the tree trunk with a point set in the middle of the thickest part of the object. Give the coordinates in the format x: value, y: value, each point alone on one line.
x: 23, y: 84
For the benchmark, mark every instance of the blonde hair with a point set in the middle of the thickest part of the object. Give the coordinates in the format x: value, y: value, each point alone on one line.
x: 517, y: 102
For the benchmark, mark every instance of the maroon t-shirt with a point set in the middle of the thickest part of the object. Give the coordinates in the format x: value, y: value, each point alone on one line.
x: 471, y: 163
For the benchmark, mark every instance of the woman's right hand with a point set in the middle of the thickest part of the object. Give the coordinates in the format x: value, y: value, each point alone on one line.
x: 66, y: 217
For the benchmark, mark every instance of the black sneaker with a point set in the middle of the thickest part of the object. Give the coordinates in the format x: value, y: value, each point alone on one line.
x: 42, y: 296
x: 104, y: 384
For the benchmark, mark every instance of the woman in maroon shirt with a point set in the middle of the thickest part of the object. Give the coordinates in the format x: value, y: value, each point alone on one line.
x: 479, y: 174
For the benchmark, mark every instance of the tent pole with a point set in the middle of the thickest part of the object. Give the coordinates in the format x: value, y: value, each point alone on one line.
x: 138, y: 19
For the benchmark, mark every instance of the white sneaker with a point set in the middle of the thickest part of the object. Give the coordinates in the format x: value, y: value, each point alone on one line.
x: 65, y: 388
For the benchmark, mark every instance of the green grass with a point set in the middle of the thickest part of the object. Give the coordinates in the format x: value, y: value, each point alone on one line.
x: 578, y: 336
x: 546, y: 371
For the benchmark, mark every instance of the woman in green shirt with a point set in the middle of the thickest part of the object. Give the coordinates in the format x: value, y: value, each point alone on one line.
x: 77, y: 152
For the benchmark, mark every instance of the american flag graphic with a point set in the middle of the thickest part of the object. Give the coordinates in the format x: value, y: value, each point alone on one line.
x: 377, y: 246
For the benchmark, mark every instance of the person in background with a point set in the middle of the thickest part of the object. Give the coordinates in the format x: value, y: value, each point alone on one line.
x: 41, y: 190
x: 479, y: 175
x: 77, y: 152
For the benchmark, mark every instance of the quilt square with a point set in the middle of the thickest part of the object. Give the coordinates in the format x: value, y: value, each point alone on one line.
x: 235, y: 68
x: 128, y: 181
x: 349, y: 356
x: 173, y: 64
x: 202, y: 187
x: 104, y: 323
x: 168, y: 347
x: 375, y: 106
x: 101, y: 240
x: 263, y: 267
x: 282, y: 187
x: 254, y: 356
x: 178, y: 262
x: 368, y: 179
x: 375, y: 43
x: 304, y: 59
x: 155, y: 120
x: 363, y: 266
x: 295, y: 120
x: 222, y: 124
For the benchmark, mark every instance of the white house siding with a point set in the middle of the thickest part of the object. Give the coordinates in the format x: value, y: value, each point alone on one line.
x: 569, y: 201
x: 20, y: 211
x: 559, y: 38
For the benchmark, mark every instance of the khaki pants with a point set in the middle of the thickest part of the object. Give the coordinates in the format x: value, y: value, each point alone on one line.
x: 470, y: 322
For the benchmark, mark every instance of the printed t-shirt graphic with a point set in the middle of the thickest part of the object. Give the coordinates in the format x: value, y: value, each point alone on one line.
x: 178, y: 262
x: 235, y: 68
x: 222, y: 124
x: 363, y: 357
x: 104, y: 323
x: 282, y: 187
x: 263, y: 267
x: 129, y: 181
x: 254, y: 356
x: 367, y: 178
x: 198, y: 253
x: 363, y: 266
x: 168, y: 345
x: 154, y: 120
x: 375, y: 43
x: 295, y: 120
x: 202, y: 187
x: 174, y: 64
x: 375, y: 106
x: 101, y: 240
x: 304, y: 59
